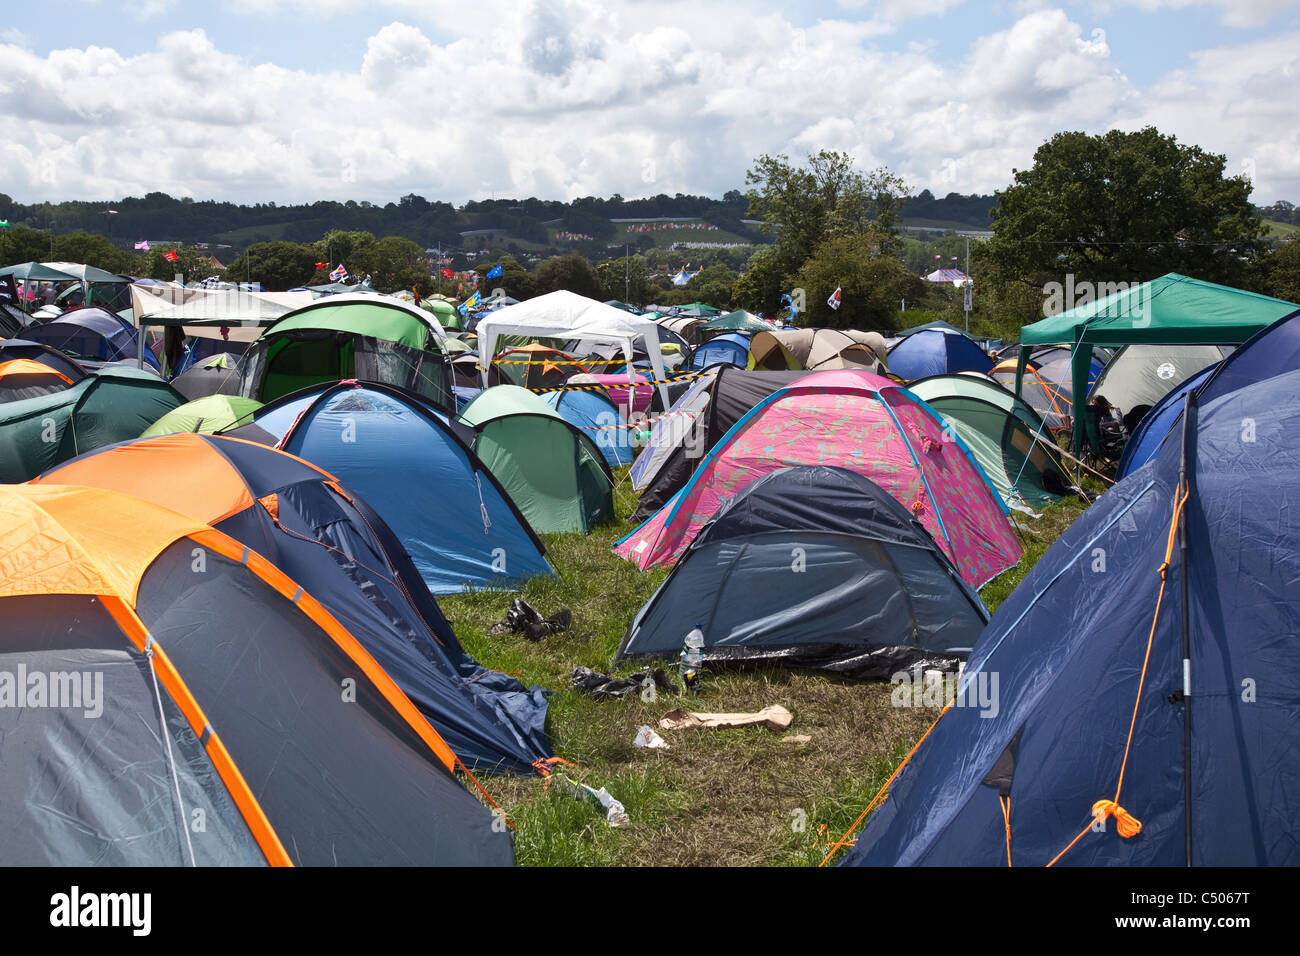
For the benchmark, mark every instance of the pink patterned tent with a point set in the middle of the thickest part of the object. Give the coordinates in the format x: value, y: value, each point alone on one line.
x: 858, y: 421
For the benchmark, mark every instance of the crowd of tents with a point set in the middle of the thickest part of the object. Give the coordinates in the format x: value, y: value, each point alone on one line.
x: 227, y: 504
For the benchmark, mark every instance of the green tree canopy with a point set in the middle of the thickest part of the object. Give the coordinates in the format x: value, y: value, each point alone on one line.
x: 277, y: 265
x: 827, y: 199
x: 624, y: 279
x: 1282, y: 271
x: 1122, y: 207
x: 872, y: 286
x: 572, y: 272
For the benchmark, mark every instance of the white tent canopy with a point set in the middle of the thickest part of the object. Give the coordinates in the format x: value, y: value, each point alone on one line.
x: 567, y: 315
x: 204, y: 313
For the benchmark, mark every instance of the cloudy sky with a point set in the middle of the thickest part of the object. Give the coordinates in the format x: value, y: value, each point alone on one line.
x: 291, y: 100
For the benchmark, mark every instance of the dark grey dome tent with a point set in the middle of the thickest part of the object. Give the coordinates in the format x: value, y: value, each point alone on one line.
x: 813, y: 566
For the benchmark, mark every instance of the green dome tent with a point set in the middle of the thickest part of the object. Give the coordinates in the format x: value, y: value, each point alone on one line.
x: 738, y: 321
x: 110, y: 406
x: 444, y: 312
x: 553, y: 471
x: 212, y: 413
x: 368, y: 337
x: 1008, y: 438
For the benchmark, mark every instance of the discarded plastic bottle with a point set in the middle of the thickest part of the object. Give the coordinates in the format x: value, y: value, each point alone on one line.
x: 692, y: 658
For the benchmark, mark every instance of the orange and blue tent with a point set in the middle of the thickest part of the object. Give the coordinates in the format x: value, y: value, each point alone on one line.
x: 26, y: 378
x: 323, y: 535
x: 170, y: 697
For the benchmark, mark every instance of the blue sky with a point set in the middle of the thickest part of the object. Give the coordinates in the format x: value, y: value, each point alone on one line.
x: 288, y: 100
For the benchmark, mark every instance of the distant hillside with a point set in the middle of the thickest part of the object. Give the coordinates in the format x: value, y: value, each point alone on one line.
x: 954, y: 211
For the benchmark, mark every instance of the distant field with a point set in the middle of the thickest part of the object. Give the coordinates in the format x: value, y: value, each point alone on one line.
x: 1276, y: 229
x: 666, y: 237
x: 949, y: 224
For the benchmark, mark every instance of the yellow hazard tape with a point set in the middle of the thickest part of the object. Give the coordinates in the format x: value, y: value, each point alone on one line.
x: 591, y: 388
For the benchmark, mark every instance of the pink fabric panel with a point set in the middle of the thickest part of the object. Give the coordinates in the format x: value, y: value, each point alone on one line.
x: 983, y: 544
x: 642, y: 394
x: 851, y: 428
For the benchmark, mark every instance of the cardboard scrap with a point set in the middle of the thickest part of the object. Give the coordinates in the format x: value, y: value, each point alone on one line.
x: 796, y: 739
x: 774, y: 717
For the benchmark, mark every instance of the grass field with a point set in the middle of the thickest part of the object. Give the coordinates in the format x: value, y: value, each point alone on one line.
x: 663, y: 238
x: 715, y: 798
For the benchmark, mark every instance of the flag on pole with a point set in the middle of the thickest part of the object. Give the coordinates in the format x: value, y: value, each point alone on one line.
x: 472, y: 302
x: 788, y: 301
x: 339, y: 274
x: 495, y: 272
x: 836, y: 298
x: 322, y: 265
x: 448, y: 274
x: 171, y: 255
x: 143, y: 245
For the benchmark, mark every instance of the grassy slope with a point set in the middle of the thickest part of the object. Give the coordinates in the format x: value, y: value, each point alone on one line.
x: 668, y: 236
x: 731, y: 797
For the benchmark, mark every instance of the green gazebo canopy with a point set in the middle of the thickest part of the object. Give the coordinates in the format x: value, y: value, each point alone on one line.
x: 1173, y: 309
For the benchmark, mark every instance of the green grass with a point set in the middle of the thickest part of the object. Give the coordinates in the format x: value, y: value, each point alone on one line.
x: 715, y: 798
x: 1276, y: 229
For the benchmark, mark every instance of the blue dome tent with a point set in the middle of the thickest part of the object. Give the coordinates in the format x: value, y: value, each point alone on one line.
x: 730, y: 348
x: 1153, y: 725
x: 459, y: 526
x: 936, y: 352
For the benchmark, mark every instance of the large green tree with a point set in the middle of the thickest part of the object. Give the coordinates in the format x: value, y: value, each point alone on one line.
x: 397, y: 263
x: 1122, y: 207
x: 1282, y: 271
x: 22, y: 244
x: 872, y: 285
x: 572, y: 272
x: 515, y: 281
x: 277, y: 265
x: 806, y: 206
x: 92, y: 250
x: 624, y: 279
x: 826, y: 199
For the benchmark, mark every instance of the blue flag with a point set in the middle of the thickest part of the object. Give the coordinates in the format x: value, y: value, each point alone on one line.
x: 495, y: 272
x: 786, y: 300
x: 471, y: 303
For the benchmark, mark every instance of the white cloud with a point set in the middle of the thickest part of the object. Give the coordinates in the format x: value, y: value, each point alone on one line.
x: 1234, y: 13
x: 584, y: 97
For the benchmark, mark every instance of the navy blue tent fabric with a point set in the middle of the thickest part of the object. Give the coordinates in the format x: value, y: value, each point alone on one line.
x: 1060, y: 661
x: 394, y: 449
x: 730, y: 348
x: 598, y: 418
x: 91, y: 333
x: 936, y: 352
x: 1269, y: 352
x: 332, y: 543
x: 813, y: 566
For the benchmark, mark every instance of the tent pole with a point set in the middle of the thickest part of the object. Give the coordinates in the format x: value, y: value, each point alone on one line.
x: 1189, y: 409
x: 1080, y: 368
